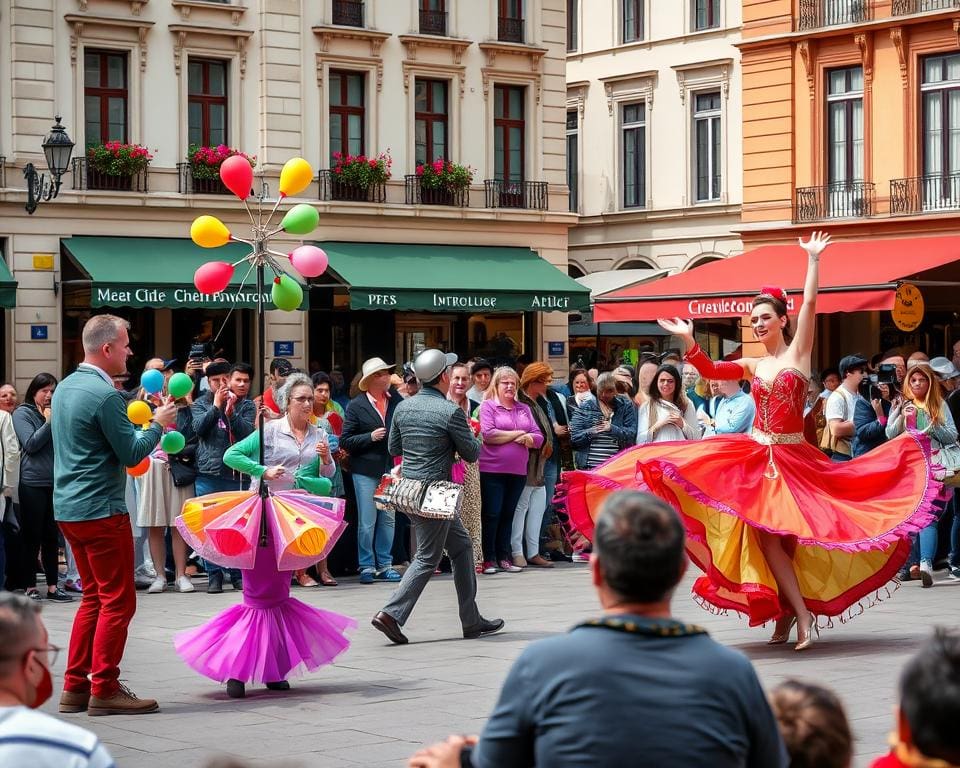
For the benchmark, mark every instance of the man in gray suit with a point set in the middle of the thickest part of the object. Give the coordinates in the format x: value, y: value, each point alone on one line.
x: 426, y: 431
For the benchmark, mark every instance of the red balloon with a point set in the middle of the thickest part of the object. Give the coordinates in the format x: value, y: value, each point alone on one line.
x: 139, y: 469
x: 237, y: 175
x: 213, y: 277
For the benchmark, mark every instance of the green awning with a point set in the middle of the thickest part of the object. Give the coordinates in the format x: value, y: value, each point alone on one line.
x: 8, y: 287
x: 453, y: 278
x: 157, y: 272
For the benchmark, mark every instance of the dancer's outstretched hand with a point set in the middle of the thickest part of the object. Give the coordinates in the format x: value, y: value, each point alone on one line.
x: 676, y: 326
x: 815, y: 245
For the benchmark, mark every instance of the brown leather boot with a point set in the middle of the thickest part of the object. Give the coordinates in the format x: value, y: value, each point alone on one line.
x: 123, y: 702
x: 73, y: 701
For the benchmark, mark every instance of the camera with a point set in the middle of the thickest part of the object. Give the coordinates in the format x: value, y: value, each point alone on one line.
x: 200, y: 350
x: 886, y: 374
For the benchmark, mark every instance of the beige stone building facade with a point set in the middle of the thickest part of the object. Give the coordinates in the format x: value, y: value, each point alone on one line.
x: 478, y: 83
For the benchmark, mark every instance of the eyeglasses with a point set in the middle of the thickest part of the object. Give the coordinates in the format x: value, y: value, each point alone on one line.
x: 304, y: 399
x: 53, y: 652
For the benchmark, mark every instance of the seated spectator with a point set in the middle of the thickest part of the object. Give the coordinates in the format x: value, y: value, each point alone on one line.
x: 926, y: 734
x: 29, y: 737
x: 624, y: 688
x: 813, y: 725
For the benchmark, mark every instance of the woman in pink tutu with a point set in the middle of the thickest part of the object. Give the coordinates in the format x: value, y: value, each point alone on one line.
x: 271, y: 635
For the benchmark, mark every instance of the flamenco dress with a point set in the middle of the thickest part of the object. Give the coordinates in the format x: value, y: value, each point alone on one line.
x: 269, y: 636
x: 845, y: 525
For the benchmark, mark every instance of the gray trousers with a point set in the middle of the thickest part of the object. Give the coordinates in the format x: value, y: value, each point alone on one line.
x: 433, y: 536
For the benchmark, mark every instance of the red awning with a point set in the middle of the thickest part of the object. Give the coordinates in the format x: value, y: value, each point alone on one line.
x: 855, y: 276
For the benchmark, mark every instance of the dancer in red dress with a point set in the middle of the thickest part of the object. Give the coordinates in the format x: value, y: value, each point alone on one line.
x: 780, y: 532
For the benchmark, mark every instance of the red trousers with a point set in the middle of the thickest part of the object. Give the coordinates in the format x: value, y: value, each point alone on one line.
x: 103, y: 550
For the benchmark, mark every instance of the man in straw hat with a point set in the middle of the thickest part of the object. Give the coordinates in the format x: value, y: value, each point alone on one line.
x: 366, y: 424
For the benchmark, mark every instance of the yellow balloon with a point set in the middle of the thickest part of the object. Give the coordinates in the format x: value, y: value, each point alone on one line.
x: 139, y: 412
x: 209, y: 232
x: 295, y: 176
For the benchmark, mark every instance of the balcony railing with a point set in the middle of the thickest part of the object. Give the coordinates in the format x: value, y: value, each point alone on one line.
x: 905, y: 7
x: 332, y: 188
x: 516, y: 194
x: 433, y: 22
x: 509, y: 30
x: 815, y: 14
x: 416, y: 194
x: 85, y: 176
x: 188, y: 185
x: 843, y: 200
x: 925, y: 194
x: 349, y: 13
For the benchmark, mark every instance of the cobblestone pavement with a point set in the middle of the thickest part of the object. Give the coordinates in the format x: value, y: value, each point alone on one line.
x: 379, y: 703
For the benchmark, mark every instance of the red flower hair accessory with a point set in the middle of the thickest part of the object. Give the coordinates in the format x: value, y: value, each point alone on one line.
x: 772, y: 290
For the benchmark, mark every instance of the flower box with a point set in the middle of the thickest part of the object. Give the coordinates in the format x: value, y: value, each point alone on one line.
x: 113, y: 165
x: 205, y: 167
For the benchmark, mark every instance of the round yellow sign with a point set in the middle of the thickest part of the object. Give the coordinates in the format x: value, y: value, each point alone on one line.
x: 908, y: 307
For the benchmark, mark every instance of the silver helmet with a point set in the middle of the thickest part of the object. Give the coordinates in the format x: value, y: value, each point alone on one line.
x: 430, y: 363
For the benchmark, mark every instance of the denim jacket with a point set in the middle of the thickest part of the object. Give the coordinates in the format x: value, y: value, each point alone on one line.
x: 623, y: 426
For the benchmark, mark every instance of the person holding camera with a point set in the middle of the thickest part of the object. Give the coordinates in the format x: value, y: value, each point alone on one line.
x: 873, y: 408
x: 841, y: 405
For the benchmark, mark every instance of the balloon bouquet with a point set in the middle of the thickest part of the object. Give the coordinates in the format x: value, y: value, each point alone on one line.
x: 140, y: 413
x: 224, y: 527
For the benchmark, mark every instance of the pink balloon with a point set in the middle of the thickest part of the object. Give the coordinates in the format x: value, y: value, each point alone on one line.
x: 309, y: 261
x: 213, y: 277
x: 237, y: 175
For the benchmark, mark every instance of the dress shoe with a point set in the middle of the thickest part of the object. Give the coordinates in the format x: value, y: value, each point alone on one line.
x: 520, y: 561
x: 236, y: 689
x: 540, y: 561
x: 215, y: 583
x: 388, y: 625
x: 71, y: 702
x: 812, y: 631
x: 279, y: 685
x: 485, y: 627
x: 123, y: 702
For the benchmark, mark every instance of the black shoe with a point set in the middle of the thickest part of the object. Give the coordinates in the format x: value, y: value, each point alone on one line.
x: 215, y: 583
x: 485, y: 627
x: 237, y: 583
x: 236, y: 689
x: 59, y: 596
x: 280, y: 685
x: 388, y: 625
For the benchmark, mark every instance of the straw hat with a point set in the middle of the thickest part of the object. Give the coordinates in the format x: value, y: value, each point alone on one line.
x: 370, y: 367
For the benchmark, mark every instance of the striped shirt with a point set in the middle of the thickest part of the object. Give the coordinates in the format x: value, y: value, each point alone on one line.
x: 602, y: 447
x: 34, y: 739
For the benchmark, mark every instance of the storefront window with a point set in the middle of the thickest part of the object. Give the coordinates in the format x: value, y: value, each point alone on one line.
x: 498, y: 338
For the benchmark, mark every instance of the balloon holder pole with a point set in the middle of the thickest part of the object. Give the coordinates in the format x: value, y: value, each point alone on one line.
x: 259, y: 254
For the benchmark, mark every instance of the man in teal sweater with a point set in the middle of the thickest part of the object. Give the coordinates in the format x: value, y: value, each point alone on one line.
x: 93, y: 442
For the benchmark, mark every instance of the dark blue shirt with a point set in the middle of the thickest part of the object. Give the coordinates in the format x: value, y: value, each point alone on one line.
x: 604, y: 697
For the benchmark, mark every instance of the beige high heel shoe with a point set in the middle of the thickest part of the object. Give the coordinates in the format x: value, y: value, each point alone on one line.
x: 806, y: 642
x: 779, y: 638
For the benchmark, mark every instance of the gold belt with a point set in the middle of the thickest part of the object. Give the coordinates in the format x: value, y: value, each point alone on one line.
x: 785, y: 438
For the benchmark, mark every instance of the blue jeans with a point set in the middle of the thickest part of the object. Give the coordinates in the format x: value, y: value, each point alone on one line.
x: 212, y: 484
x: 550, y: 483
x: 374, y: 527
x: 840, y: 457
x: 925, y: 545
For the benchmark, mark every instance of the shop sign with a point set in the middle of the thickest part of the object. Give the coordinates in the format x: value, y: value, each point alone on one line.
x: 908, y: 307
x: 555, y: 348
x: 730, y: 306
x: 464, y: 301
x: 178, y: 297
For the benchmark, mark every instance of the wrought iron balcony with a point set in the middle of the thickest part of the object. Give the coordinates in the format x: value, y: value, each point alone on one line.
x: 433, y: 22
x: 187, y: 184
x: 925, y: 194
x: 85, y: 176
x: 843, y: 200
x: 815, y: 14
x: 349, y: 13
x: 906, y: 7
x: 516, y: 194
x: 509, y: 30
x: 331, y: 188
x: 417, y: 194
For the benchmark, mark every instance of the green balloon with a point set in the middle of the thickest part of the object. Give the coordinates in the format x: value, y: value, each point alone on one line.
x: 286, y: 294
x: 302, y: 219
x: 172, y: 442
x: 180, y: 385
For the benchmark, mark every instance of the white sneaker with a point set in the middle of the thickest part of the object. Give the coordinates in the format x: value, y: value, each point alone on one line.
x: 926, y: 574
x: 157, y: 585
x: 184, y: 584
x: 580, y: 557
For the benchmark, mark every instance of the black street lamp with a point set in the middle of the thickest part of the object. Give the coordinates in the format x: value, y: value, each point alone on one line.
x: 57, y: 148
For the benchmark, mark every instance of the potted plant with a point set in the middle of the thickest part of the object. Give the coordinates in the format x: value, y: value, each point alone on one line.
x: 113, y: 164
x: 358, y: 177
x: 443, y: 182
x: 205, y: 167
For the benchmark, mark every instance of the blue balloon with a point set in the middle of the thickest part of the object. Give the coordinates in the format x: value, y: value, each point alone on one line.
x: 152, y: 381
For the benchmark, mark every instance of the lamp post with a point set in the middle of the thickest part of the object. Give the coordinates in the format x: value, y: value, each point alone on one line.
x: 57, y: 148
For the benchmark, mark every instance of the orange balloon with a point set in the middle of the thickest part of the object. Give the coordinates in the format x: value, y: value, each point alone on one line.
x: 139, y: 469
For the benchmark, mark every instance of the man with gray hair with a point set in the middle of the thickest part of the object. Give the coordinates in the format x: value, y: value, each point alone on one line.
x: 426, y: 431
x: 93, y: 441
x: 29, y: 737
x: 624, y: 688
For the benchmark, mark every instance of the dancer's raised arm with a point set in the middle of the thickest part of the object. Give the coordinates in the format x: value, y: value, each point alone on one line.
x: 722, y: 369
x: 803, y: 339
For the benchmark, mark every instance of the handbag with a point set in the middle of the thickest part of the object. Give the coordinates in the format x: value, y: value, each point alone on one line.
x: 949, y: 458
x: 182, y: 473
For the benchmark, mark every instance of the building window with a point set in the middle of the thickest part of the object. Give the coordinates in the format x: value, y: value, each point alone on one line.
x: 633, y: 127
x: 349, y: 13
x: 941, y: 129
x: 430, y: 100
x: 573, y: 160
x: 845, y: 125
x: 706, y: 14
x: 433, y: 17
x: 706, y: 145
x: 508, y: 132
x: 346, y: 113
x: 207, y: 102
x: 510, y: 21
x: 104, y: 96
x: 632, y: 12
x: 572, y: 25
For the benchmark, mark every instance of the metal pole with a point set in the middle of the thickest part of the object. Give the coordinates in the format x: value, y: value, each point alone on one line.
x: 261, y: 341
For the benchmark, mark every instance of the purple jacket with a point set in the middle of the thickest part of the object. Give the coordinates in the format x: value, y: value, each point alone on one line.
x: 509, y: 458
